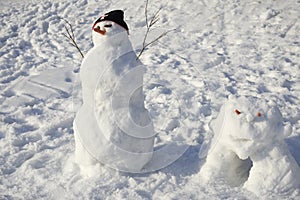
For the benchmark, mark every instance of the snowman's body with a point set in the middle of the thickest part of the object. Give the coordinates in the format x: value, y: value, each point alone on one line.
x: 112, y: 126
x: 248, y: 148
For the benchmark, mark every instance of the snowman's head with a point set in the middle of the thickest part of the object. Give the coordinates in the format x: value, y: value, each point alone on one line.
x: 248, y: 125
x: 110, y: 26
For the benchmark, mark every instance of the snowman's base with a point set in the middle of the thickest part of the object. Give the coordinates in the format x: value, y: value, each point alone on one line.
x: 89, y: 171
x: 92, y: 147
x: 82, y: 156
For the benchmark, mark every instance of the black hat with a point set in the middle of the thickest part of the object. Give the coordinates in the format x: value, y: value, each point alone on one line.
x: 116, y: 16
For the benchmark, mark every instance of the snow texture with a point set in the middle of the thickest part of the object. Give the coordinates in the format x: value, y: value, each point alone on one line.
x: 217, y: 48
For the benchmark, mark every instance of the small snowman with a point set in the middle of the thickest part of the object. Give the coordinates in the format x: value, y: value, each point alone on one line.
x: 112, y: 127
x: 248, y: 148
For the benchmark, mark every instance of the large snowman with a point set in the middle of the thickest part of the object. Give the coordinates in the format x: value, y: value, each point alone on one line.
x: 248, y: 148
x: 112, y: 126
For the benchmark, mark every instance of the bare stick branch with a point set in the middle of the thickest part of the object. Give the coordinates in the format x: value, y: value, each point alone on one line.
x: 65, y: 35
x: 153, y: 41
x: 155, y: 18
x: 146, y: 13
x: 71, y: 36
x: 70, y: 25
x: 159, y: 37
x: 149, y: 25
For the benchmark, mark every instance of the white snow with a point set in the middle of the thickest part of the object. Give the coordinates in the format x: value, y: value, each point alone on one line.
x: 217, y: 49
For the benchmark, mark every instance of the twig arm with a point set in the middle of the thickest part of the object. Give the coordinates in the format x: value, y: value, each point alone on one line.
x: 149, y: 25
x: 71, y: 36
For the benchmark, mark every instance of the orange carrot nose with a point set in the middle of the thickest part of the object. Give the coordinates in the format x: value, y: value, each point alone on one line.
x: 237, y: 111
x: 98, y: 30
x: 258, y: 114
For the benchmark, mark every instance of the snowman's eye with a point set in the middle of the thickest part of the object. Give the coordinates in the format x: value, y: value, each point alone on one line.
x: 107, y: 25
x: 237, y: 111
x: 97, y: 28
x: 259, y: 114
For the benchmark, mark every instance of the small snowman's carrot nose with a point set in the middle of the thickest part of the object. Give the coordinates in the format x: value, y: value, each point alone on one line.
x: 237, y: 111
x: 259, y: 114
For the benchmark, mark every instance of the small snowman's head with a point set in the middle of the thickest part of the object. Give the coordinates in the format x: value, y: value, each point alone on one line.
x: 108, y: 25
x: 248, y: 125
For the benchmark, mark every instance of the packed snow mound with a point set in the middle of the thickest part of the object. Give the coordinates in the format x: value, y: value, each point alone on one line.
x: 248, y: 147
x: 112, y: 126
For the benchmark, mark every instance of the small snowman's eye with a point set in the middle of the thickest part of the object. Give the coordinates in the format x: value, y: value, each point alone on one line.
x: 259, y: 114
x: 237, y: 111
x: 107, y: 25
x: 97, y: 28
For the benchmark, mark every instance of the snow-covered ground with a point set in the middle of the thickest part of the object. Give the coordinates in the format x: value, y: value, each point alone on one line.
x: 217, y: 48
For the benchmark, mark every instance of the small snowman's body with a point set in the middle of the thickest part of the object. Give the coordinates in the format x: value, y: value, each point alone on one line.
x: 248, y: 148
x: 112, y: 126
x: 273, y: 170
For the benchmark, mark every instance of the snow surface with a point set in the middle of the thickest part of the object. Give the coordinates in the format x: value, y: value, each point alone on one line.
x: 218, y: 48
